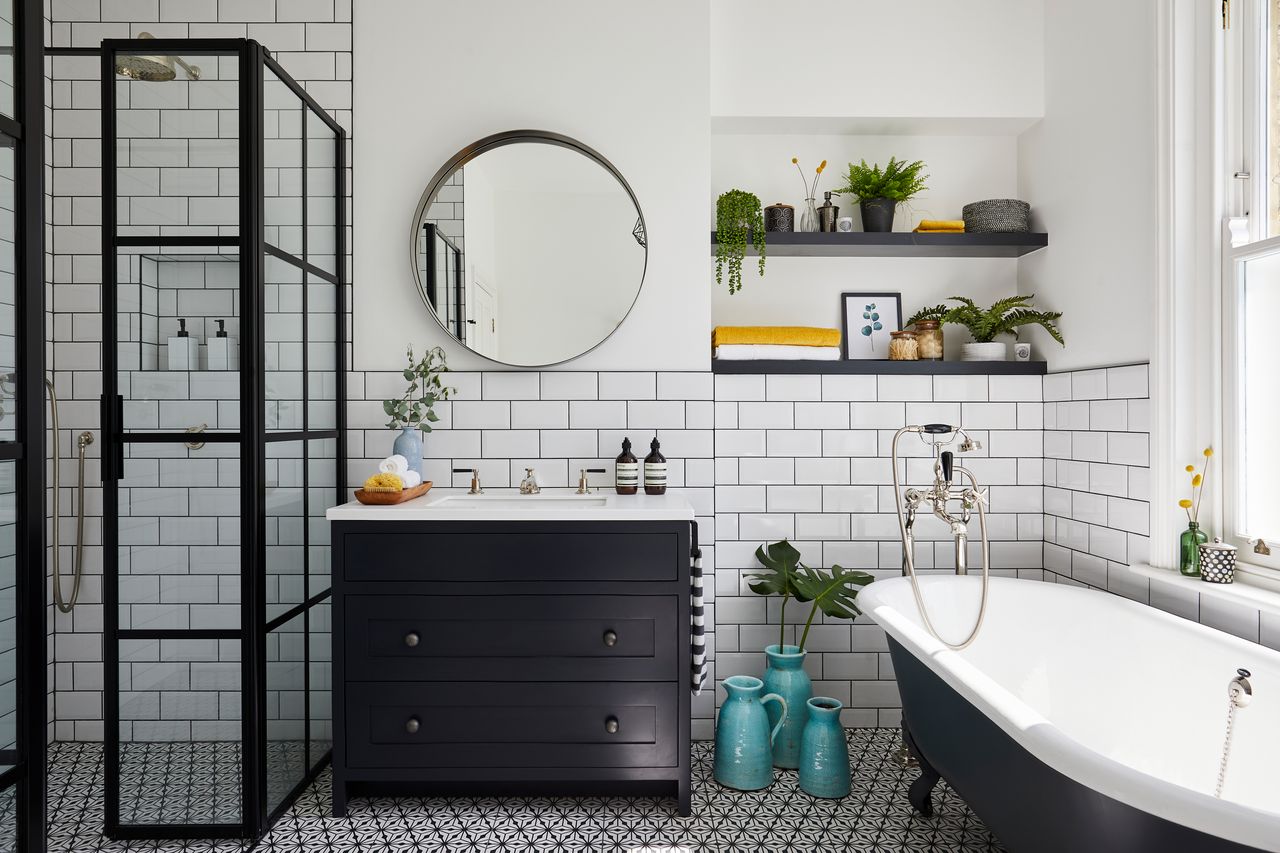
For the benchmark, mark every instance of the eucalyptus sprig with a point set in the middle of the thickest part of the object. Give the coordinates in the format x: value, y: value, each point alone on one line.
x: 738, y: 216
x: 416, y: 409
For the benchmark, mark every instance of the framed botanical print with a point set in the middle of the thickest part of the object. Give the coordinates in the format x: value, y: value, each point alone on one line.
x: 866, y: 321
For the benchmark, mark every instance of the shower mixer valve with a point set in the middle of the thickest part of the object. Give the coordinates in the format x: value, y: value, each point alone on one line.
x: 943, y: 491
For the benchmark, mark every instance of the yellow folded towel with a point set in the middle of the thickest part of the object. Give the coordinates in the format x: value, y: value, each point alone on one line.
x: 796, y: 336
x: 945, y: 226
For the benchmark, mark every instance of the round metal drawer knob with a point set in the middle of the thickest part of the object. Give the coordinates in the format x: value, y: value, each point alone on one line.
x: 610, y: 639
x: 412, y: 726
x: 411, y: 639
x: 611, y: 725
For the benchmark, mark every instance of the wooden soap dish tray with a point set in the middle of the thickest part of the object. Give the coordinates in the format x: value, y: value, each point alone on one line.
x: 388, y: 498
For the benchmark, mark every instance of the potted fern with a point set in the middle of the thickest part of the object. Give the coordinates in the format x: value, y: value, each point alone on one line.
x: 880, y: 191
x: 738, y: 221
x: 1005, y: 317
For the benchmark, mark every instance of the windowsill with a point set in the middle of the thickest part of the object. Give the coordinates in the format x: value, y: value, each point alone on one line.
x: 1250, y: 589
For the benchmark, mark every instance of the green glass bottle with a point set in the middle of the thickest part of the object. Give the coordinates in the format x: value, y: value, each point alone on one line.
x: 1192, y: 538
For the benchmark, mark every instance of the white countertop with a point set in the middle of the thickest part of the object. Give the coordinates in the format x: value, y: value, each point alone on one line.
x: 510, y: 505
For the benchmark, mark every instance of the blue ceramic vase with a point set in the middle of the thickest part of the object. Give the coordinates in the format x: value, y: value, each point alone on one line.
x: 824, y: 752
x: 744, y: 741
x: 409, y: 445
x: 784, y: 674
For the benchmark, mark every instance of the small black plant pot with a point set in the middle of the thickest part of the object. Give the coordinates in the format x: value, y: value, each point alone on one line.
x: 877, y: 214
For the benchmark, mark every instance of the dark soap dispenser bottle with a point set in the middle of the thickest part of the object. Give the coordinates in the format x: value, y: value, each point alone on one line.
x: 655, y: 470
x: 627, y: 470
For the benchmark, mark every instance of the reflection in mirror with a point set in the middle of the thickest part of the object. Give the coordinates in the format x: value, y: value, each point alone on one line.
x: 529, y: 248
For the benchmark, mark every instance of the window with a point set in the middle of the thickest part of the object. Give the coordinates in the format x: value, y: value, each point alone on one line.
x: 1250, y: 344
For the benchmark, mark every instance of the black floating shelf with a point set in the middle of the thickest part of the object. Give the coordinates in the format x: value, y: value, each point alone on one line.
x: 900, y: 368
x: 899, y: 244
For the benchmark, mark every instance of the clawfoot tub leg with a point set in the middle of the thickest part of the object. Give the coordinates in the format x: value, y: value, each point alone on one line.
x: 921, y: 791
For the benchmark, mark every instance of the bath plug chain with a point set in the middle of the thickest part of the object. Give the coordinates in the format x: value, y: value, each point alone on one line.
x: 1239, y: 694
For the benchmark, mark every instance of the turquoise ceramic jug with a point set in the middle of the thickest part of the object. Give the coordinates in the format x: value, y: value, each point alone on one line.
x: 744, y: 741
x: 824, y: 752
x: 784, y: 674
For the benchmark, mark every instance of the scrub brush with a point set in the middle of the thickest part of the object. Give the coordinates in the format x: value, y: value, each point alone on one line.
x: 384, y: 483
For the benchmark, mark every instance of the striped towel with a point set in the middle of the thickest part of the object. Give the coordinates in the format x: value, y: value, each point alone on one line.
x: 697, y: 619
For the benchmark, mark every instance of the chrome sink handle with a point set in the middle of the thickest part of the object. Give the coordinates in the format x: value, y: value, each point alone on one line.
x: 475, y: 479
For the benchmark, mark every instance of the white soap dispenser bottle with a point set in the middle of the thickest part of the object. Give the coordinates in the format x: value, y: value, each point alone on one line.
x: 184, y: 350
x: 222, y: 349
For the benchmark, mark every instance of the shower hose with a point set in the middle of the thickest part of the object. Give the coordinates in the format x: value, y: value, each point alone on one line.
x: 908, y: 553
x: 77, y: 568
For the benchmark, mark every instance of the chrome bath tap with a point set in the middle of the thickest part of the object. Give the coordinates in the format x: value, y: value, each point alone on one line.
x: 943, y: 492
x: 938, y: 498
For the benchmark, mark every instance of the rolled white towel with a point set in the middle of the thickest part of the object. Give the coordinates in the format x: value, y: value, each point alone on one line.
x: 394, y: 464
x: 410, y: 479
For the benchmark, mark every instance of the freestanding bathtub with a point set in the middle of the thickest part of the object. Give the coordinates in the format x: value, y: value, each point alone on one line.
x: 1082, y: 721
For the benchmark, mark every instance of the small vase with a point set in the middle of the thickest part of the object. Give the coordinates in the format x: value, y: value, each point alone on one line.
x: 808, y: 216
x: 409, y: 445
x: 744, y: 741
x: 824, y: 752
x: 877, y: 214
x: 1189, y: 549
x: 784, y: 675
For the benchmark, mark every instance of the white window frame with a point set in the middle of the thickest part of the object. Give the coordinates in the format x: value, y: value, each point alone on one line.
x: 1246, y: 59
x: 1203, y: 139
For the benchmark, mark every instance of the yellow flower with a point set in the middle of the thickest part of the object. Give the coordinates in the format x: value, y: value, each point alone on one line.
x: 822, y: 166
x: 795, y: 161
x: 1196, y: 481
x: 1208, y: 451
x: 1184, y: 503
x: 1191, y: 469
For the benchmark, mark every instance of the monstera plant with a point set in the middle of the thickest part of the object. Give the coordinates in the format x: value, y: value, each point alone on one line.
x: 834, y: 591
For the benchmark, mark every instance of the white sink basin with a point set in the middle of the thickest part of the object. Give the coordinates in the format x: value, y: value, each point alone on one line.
x: 522, y: 502
x: 509, y: 505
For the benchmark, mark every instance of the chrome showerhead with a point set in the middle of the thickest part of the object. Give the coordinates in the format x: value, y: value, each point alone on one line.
x: 154, y: 68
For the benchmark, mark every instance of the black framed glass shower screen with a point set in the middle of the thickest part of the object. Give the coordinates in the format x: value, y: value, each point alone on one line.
x: 223, y: 240
x: 23, y: 639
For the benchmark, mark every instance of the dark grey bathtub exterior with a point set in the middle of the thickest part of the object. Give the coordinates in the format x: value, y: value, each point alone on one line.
x: 1028, y: 805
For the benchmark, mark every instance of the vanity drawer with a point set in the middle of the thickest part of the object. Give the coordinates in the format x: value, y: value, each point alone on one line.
x: 513, y: 637
x: 482, y: 724
x: 539, y: 554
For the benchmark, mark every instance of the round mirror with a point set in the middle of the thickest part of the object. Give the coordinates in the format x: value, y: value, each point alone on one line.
x: 529, y: 248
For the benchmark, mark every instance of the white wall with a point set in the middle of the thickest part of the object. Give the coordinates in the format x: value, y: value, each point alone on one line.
x: 591, y: 74
x: 857, y: 58
x: 1089, y: 171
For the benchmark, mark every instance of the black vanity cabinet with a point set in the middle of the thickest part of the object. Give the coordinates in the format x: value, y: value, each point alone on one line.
x: 511, y: 657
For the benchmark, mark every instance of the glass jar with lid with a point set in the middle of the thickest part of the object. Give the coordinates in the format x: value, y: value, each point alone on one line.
x: 903, y: 346
x: 929, y: 339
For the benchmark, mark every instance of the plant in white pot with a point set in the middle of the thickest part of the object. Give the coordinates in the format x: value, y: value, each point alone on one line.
x: 1005, y: 317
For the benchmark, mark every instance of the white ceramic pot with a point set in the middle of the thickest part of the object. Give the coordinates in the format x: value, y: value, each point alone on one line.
x: 993, y: 351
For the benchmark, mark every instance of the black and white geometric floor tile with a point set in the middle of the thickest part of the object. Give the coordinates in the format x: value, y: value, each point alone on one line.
x: 875, y: 817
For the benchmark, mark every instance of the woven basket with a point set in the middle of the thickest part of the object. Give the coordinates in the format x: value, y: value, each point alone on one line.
x: 997, y: 216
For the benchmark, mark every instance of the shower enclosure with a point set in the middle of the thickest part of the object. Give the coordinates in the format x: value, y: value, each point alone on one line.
x: 222, y: 423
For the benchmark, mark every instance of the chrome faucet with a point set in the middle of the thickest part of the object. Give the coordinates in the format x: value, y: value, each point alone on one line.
x: 475, y: 479
x: 584, y: 487
x: 940, y: 495
x: 529, y: 485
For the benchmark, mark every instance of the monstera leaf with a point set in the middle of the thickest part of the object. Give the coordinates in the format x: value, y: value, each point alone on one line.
x: 780, y: 560
x: 833, y: 593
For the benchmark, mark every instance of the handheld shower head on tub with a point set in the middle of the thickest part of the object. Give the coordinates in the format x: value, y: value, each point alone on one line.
x: 939, y: 497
